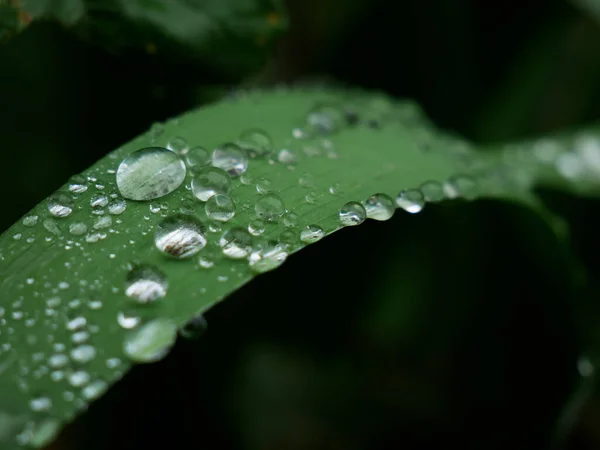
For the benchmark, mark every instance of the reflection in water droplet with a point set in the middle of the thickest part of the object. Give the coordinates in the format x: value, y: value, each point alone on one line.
x: 352, y: 213
x: 311, y: 233
x: 180, y: 236
x: 194, y: 328
x: 150, y: 173
x: 410, y: 200
x: 151, y: 342
x: 379, y: 207
x: 145, y: 284
x: 230, y: 158
x: 270, y: 207
x: 268, y: 256
x: 220, y: 207
x: 210, y: 181
x: 60, y: 204
x: 236, y: 243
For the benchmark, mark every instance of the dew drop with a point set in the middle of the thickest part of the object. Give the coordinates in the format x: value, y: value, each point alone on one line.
x: 60, y: 204
x: 306, y: 180
x: 151, y: 342
x: 256, y: 142
x: 94, y: 390
x: 117, y: 207
x: 461, y: 186
x: 78, y: 184
x: 178, y: 145
x: 311, y: 234
x: 102, y: 222
x: 83, y: 353
x: 79, y: 378
x: 410, y: 200
x: 432, y: 191
x: 44, y: 432
x: 220, y: 207
x: 41, y: 403
x: 379, y: 207
x: 263, y: 186
x: 210, y: 181
x: 128, y: 319
x: 236, y: 243
x: 99, y: 201
x: 256, y: 227
x: 197, y: 157
x: 30, y: 221
x: 180, y: 236
x: 270, y: 207
x: 194, y: 328
x: 352, y: 213
x: 267, y: 256
x: 150, y: 173
x: 287, y: 156
x: 288, y: 237
x: 325, y: 119
x: 145, y: 284
x: 230, y: 158
x: 290, y: 220
x: 207, y: 259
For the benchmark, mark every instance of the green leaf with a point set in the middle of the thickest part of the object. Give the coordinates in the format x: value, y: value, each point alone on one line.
x: 233, y: 36
x: 83, y: 281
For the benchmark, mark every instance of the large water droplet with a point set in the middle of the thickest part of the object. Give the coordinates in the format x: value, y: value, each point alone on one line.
x: 256, y: 142
x: 270, y: 207
x: 60, y: 204
x: 220, y: 207
x: 150, y: 342
x: 267, y: 256
x: 210, y: 181
x: 311, y: 233
x: 352, y: 213
x: 236, y: 243
x: 410, y: 200
x: 145, y: 284
x: 379, y: 207
x: 231, y: 158
x: 150, y: 173
x: 180, y: 236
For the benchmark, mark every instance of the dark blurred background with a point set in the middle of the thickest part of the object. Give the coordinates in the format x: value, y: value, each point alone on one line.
x: 461, y: 326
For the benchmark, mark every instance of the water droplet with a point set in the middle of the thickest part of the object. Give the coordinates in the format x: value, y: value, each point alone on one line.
x: 432, y: 191
x: 150, y: 173
x: 102, y: 222
x: 288, y: 237
x: 41, y: 403
x: 256, y: 227
x: 99, y: 201
x: 154, y: 207
x: 379, y: 207
x: 325, y: 118
x: 263, y: 186
x: 335, y: 189
x: 151, y: 342
x: 270, y: 207
x: 220, y: 207
x: 52, y: 226
x: 267, y: 256
x: 236, y: 243
x: 256, y: 142
x: 352, y: 213
x: 145, y: 284
x: 461, y: 186
x: 78, y: 184
x: 207, y: 259
x: 79, y: 378
x: 197, y: 157
x: 94, y: 390
x: 194, y: 328
x: 117, y: 206
x: 210, y: 181
x: 290, y: 220
x: 83, y: 353
x: 311, y: 197
x: 128, y: 319
x: 178, y: 145
x: 230, y: 158
x: 30, y: 221
x: 287, y: 156
x: 311, y: 234
x: 60, y: 204
x: 180, y: 236
x: 306, y: 180
x: 44, y: 432
x: 58, y: 360
x: 410, y: 200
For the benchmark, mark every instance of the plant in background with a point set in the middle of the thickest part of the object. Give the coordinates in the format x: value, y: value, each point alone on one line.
x: 108, y: 270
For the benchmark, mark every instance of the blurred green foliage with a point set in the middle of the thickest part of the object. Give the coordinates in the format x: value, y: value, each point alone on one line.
x: 461, y: 326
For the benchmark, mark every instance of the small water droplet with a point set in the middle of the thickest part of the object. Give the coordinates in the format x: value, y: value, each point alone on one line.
x: 379, y: 207
x: 352, y: 213
x: 207, y: 259
x: 311, y: 197
x: 256, y: 142
x: 128, y: 319
x: 178, y: 145
x: 432, y: 191
x: 311, y: 234
x: 197, y: 157
x: 194, y: 328
x: 410, y: 200
x: 267, y: 256
x: 230, y: 158
x: 145, y: 284
x: 58, y: 360
x: 461, y: 186
x: 78, y: 184
x: 306, y: 180
x: 180, y: 236
x: 44, y: 432
x: 60, y: 204
x: 154, y: 207
x: 287, y: 156
x: 41, y: 403
x: 236, y: 243
x: 117, y: 206
x: 83, y: 354
x: 94, y: 390
x: 220, y: 207
x: 263, y: 186
x: 30, y: 221
x: 210, y: 181
x: 150, y: 173
x: 99, y: 201
x: 102, y: 222
x: 79, y: 378
x: 290, y: 220
x: 256, y: 227
x: 288, y: 237
x: 325, y: 119
x: 151, y: 342
x: 270, y: 207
